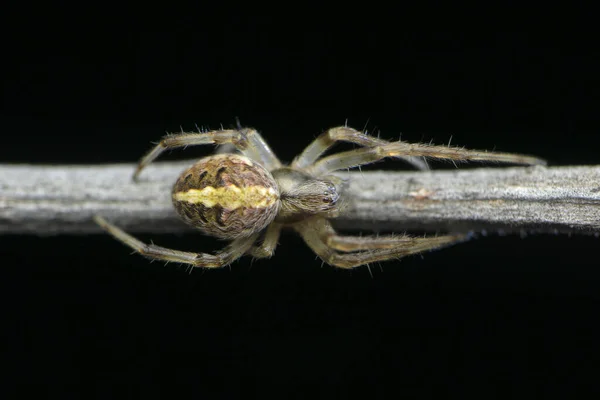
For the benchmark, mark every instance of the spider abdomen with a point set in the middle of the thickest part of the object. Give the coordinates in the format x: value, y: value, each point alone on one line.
x: 226, y: 196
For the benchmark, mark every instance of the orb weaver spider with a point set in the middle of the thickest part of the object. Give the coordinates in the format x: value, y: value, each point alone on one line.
x: 248, y: 196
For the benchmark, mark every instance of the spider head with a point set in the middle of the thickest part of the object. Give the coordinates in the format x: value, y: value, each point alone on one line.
x: 302, y: 195
x: 227, y: 196
x: 315, y: 196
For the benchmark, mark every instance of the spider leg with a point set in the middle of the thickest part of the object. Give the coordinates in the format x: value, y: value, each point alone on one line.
x: 230, y: 253
x: 344, y: 134
x: 349, y: 243
x: 268, y: 245
x: 353, y: 158
x: 316, y: 232
x: 247, y: 140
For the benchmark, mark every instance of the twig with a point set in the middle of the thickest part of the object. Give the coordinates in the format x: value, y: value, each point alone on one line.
x: 62, y: 199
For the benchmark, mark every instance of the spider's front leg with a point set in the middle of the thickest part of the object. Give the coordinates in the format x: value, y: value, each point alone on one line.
x: 351, y: 251
x: 345, y: 134
x: 350, y: 243
x: 247, y: 140
x: 230, y: 253
x: 353, y: 158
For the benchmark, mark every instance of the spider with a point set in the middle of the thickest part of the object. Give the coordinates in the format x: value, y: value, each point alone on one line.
x: 251, y: 195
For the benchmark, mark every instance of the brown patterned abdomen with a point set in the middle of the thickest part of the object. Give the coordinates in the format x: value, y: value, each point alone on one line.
x: 226, y: 196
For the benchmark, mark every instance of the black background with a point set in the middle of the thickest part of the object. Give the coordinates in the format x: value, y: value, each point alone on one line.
x: 500, y: 314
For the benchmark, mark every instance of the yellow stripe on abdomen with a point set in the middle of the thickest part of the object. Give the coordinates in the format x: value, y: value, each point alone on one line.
x: 230, y: 197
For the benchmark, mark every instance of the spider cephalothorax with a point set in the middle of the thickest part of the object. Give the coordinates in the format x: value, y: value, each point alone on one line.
x: 252, y: 196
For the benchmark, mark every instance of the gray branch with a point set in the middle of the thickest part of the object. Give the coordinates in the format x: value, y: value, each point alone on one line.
x: 44, y: 200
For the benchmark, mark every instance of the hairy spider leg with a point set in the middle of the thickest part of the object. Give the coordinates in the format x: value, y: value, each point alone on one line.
x: 345, y: 134
x: 333, y: 248
x: 269, y: 243
x: 230, y: 253
x: 353, y: 158
x: 247, y: 140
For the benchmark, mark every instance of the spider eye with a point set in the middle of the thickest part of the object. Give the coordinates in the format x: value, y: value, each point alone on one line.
x: 332, y: 191
x: 330, y: 195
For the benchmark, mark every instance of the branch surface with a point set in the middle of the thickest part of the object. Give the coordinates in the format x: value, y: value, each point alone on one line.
x: 61, y: 199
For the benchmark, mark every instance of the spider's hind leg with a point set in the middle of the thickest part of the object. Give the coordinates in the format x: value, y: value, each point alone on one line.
x: 225, y: 257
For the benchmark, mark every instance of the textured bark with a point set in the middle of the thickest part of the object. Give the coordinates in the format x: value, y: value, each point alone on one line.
x: 42, y: 200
